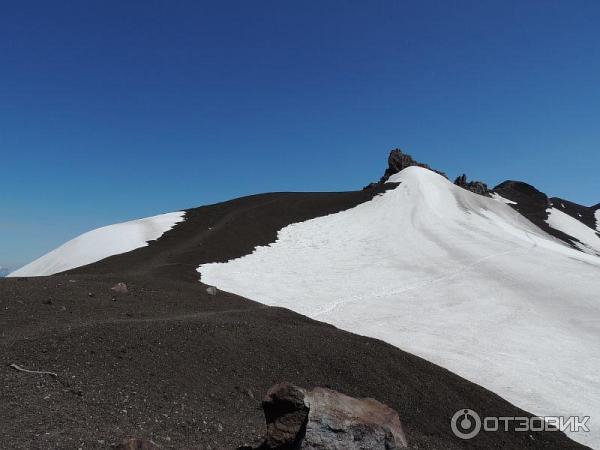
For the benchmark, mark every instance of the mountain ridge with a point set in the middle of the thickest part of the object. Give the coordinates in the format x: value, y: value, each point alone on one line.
x: 168, y: 307
x: 525, y: 198
x: 428, y: 260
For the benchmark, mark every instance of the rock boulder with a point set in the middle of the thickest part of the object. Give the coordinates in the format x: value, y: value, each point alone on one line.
x: 326, y: 419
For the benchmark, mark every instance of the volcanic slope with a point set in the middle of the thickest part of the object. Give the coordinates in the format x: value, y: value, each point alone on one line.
x: 187, y: 369
x: 459, y: 279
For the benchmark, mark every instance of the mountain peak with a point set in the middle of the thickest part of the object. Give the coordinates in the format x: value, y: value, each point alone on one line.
x: 398, y: 161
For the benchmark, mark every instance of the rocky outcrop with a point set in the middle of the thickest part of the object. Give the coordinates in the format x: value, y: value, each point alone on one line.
x: 325, y: 419
x: 398, y: 160
x: 527, y: 200
x: 520, y: 192
x: 534, y: 205
x: 523, y: 197
x: 478, y: 187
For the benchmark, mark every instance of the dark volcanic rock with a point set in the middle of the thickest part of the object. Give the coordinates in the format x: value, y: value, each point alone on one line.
x: 133, y: 443
x: 398, y: 160
x: 286, y: 414
x: 478, y: 187
x: 325, y: 419
x: 534, y: 205
x: 530, y: 202
x: 582, y: 213
x: 523, y: 193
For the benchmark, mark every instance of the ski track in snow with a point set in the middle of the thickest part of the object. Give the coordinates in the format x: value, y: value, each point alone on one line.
x: 459, y: 279
x: 101, y: 243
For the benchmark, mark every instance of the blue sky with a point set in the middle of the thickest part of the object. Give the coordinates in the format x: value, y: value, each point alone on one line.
x: 113, y: 110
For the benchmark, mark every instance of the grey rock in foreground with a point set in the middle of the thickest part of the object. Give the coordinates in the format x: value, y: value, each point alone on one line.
x: 325, y: 419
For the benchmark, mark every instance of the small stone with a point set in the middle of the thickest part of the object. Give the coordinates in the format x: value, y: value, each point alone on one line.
x: 211, y: 290
x: 121, y: 288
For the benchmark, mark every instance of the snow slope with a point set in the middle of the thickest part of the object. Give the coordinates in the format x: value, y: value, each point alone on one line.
x: 99, y: 244
x: 587, y: 238
x: 457, y: 278
x: 498, y: 197
x: 597, y: 214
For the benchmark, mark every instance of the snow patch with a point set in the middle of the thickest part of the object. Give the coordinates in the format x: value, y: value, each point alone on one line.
x: 597, y: 214
x: 101, y: 243
x: 498, y: 197
x: 586, y: 238
x: 457, y: 278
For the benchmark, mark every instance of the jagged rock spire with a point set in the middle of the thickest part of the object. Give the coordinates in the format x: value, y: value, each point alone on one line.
x: 398, y: 160
x: 478, y: 187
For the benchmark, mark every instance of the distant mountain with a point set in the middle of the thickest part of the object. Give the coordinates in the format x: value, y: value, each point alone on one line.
x: 4, y: 271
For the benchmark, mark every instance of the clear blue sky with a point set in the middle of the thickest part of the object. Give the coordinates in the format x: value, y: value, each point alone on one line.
x: 113, y: 110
